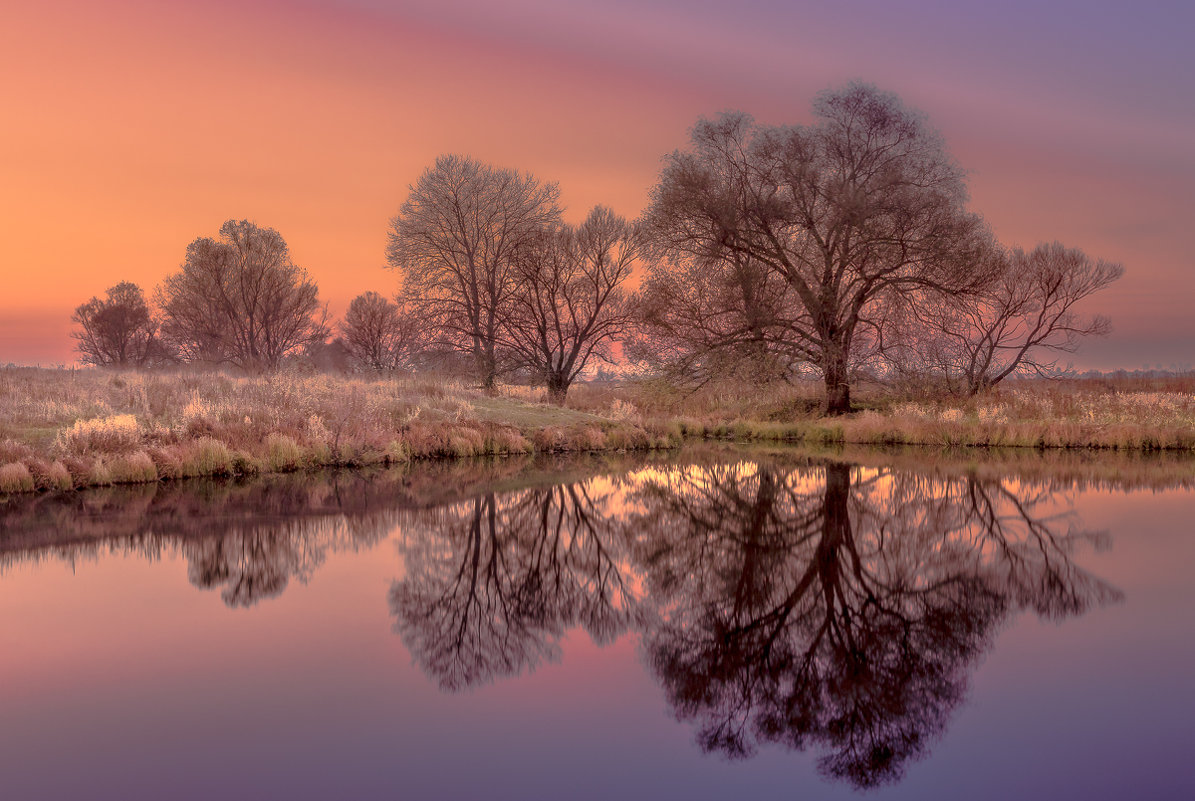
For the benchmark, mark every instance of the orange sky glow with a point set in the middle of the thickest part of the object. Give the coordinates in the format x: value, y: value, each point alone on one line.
x: 131, y: 128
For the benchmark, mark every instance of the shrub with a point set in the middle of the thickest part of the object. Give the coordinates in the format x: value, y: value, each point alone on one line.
x: 118, y: 433
x: 283, y: 454
x: 50, y: 476
x: 136, y: 468
x: 15, y: 477
x: 206, y: 457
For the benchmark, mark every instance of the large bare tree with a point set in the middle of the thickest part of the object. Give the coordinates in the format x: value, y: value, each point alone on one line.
x: 570, y: 303
x: 118, y: 330
x: 1019, y: 323
x: 863, y: 202
x: 240, y: 299
x: 454, y: 241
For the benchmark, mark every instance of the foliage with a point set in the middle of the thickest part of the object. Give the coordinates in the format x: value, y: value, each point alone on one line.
x: 378, y: 334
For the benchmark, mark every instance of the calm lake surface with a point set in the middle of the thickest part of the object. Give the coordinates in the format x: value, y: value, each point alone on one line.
x: 718, y: 623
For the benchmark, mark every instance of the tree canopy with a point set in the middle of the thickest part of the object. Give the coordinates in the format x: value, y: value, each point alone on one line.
x: 455, y: 241
x: 118, y: 330
x: 862, y: 203
x: 240, y: 299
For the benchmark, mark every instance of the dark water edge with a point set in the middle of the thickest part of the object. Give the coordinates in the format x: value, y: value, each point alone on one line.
x: 814, y: 619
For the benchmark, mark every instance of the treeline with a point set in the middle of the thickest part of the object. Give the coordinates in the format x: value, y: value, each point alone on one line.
x: 840, y: 249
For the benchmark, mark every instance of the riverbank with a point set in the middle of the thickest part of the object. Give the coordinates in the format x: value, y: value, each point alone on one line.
x: 63, y: 429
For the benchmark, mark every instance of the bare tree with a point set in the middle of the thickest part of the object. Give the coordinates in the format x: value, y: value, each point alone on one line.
x: 1018, y: 323
x: 377, y: 333
x: 454, y: 240
x: 570, y: 303
x: 240, y: 299
x: 118, y: 330
x: 862, y: 203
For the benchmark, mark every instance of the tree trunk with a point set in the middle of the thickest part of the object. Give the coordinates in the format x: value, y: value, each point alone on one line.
x: 487, y: 366
x: 838, y: 389
x: 557, y: 389
x: 836, y: 519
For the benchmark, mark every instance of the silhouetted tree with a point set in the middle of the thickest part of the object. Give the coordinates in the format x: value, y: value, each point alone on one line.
x: 1017, y: 323
x: 841, y: 610
x: 377, y: 333
x: 240, y: 299
x: 118, y: 330
x: 865, y: 202
x: 455, y: 239
x: 569, y: 303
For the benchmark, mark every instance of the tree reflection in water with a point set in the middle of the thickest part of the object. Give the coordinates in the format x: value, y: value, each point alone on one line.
x: 834, y: 607
x: 817, y: 606
x: 249, y: 540
x: 492, y: 584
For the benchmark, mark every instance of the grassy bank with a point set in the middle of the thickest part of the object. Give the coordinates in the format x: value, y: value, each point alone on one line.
x: 1042, y: 416
x: 61, y: 429
x: 1132, y: 415
x: 72, y: 428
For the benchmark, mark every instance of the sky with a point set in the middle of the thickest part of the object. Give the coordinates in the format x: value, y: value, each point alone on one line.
x: 129, y: 129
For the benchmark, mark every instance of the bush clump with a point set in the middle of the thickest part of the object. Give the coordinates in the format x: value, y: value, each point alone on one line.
x: 15, y: 477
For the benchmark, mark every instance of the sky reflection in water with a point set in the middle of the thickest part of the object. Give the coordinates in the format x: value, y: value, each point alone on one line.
x: 837, y: 623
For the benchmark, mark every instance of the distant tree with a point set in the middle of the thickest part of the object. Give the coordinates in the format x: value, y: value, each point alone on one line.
x: 241, y: 300
x: 864, y: 203
x: 376, y: 332
x: 329, y: 357
x: 1017, y: 323
x: 570, y: 302
x: 118, y: 330
x: 454, y: 241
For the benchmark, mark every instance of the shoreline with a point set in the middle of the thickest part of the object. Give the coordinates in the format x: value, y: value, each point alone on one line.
x: 72, y: 429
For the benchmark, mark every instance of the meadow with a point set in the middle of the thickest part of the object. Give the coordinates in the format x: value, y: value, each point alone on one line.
x: 62, y: 429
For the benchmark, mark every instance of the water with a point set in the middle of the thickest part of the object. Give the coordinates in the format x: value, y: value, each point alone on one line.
x: 716, y: 624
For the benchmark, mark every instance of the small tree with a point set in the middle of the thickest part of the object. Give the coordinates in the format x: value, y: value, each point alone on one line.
x: 569, y: 304
x: 455, y: 240
x: 241, y: 300
x: 1019, y: 323
x: 118, y: 330
x: 376, y: 332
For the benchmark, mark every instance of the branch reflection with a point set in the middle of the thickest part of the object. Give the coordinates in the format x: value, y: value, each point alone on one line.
x: 841, y: 608
x: 249, y: 540
x: 493, y: 584
x: 833, y: 607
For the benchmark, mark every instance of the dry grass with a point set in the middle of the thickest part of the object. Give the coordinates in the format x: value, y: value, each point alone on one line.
x: 95, y: 427
x: 1095, y: 414
x: 1039, y: 415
